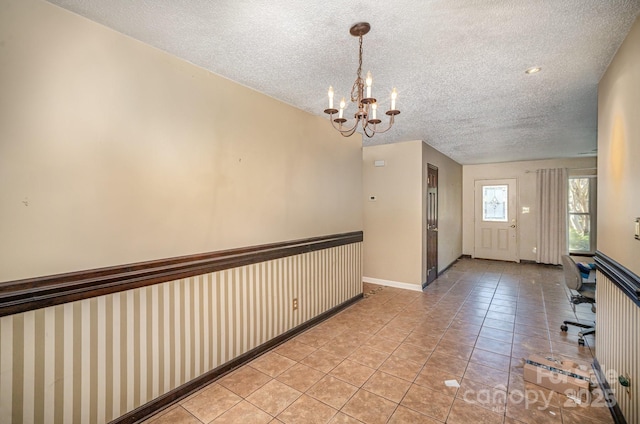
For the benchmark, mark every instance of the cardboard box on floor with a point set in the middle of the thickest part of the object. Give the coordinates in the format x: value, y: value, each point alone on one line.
x: 562, y: 376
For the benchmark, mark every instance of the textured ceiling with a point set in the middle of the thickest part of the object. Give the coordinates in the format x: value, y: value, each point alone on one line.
x: 458, y: 65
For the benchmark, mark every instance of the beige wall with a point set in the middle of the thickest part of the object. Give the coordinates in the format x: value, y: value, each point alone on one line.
x: 617, y: 344
x: 449, y: 208
x: 114, y: 152
x: 619, y: 154
x: 524, y: 173
x: 394, y: 224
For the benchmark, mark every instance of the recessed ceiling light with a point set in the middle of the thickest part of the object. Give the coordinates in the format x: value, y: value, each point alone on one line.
x: 533, y: 70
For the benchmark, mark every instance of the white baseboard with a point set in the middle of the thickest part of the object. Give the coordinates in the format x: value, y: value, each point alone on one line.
x: 396, y: 284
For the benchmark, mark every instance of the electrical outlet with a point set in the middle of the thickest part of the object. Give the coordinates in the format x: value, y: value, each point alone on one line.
x: 295, y: 304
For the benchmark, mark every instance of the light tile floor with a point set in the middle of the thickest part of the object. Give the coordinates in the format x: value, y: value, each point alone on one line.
x: 385, y: 359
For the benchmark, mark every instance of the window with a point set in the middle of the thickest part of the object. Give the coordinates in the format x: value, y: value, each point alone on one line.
x: 494, y: 201
x: 582, y: 215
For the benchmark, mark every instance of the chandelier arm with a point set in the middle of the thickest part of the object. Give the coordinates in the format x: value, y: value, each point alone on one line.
x: 366, y: 130
x: 349, y: 131
x: 348, y: 134
x: 391, y: 122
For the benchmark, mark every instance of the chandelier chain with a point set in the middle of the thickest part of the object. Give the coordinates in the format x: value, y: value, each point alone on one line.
x: 359, y: 84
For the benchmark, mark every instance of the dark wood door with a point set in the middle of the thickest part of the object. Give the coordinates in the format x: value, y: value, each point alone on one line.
x: 432, y: 223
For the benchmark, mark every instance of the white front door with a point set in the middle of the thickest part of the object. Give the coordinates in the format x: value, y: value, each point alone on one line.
x: 495, y: 220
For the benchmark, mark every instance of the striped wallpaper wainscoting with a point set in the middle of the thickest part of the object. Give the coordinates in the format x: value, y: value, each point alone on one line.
x: 94, y: 360
x: 618, y: 334
x: 618, y: 344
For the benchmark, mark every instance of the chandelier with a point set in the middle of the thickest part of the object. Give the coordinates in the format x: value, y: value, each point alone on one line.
x: 366, y: 115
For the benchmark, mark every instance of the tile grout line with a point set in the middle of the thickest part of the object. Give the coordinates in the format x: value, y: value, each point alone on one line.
x: 412, y: 308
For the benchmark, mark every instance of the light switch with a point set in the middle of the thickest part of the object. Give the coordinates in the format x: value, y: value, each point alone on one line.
x: 378, y: 163
x: 525, y: 209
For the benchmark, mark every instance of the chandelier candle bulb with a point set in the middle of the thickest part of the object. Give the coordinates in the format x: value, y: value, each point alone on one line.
x: 343, y: 103
x: 394, y: 95
x: 330, y: 97
x: 369, y: 81
x: 374, y: 107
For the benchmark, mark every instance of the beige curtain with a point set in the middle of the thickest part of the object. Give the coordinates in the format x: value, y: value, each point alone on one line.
x: 551, y: 199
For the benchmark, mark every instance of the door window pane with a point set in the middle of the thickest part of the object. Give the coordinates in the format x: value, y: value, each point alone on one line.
x: 494, y: 201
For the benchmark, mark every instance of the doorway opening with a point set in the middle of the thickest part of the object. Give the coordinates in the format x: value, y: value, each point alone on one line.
x: 432, y: 223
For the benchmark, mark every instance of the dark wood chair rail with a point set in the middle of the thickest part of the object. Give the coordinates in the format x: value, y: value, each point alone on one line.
x: 623, y: 278
x: 34, y: 293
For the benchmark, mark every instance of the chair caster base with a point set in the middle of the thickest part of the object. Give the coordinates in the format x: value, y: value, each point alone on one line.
x: 585, y: 330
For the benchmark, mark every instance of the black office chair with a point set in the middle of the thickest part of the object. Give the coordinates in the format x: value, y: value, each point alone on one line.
x: 586, y: 294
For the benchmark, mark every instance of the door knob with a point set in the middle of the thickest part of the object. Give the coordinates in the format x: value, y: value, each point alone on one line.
x: 513, y: 226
